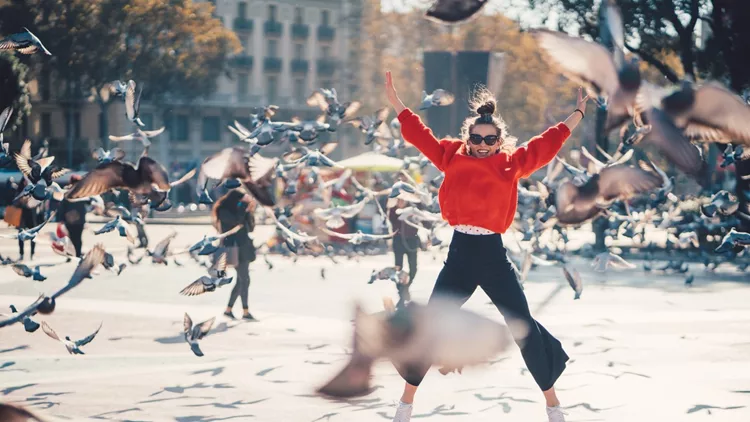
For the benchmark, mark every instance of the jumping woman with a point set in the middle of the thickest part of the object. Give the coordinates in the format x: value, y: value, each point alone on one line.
x: 478, y: 198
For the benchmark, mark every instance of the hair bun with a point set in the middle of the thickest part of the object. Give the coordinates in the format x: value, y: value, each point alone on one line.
x: 488, y: 107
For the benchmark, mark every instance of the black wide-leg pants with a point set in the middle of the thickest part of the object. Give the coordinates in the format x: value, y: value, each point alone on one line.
x: 481, y: 261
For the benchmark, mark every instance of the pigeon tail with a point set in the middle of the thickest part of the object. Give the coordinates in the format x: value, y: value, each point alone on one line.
x: 196, y: 349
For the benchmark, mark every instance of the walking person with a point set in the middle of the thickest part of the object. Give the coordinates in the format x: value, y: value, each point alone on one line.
x: 73, y: 214
x: 31, y: 216
x: 236, y: 208
x: 478, y: 198
x: 405, y: 242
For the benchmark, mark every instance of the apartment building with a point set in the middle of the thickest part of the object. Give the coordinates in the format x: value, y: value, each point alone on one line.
x: 290, y: 48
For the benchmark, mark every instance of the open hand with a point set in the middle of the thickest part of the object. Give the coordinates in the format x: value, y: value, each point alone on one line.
x: 581, y: 102
x: 391, y: 93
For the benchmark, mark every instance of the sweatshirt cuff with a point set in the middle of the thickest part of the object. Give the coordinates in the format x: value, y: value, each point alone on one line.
x: 564, y: 129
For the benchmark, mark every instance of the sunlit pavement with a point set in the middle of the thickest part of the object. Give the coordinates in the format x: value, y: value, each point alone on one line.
x: 643, y: 346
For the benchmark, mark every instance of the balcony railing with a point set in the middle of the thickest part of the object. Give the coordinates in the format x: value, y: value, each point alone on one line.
x: 242, y: 61
x: 326, y: 66
x: 326, y: 33
x: 300, y: 31
x: 300, y: 66
x: 272, y: 64
x: 243, y: 24
x: 273, y: 28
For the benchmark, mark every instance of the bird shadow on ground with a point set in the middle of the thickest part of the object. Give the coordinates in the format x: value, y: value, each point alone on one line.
x: 175, y: 398
x: 180, y: 338
x: 178, y: 389
x: 9, y: 390
x: 708, y: 408
x: 115, y: 412
x: 589, y: 407
x: 441, y: 410
x: 214, y: 371
x: 266, y: 371
x: 209, y: 418
x: 232, y: 405
x: 13, y: 349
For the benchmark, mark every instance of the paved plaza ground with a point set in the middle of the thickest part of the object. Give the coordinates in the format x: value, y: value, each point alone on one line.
x: 644, y: 347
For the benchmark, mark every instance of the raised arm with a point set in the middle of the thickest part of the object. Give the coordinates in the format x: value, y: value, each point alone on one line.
x: 412, y: 128
x: 540, y: 150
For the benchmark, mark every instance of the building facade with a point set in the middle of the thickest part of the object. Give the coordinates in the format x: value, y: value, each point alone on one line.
x: 290, y: 48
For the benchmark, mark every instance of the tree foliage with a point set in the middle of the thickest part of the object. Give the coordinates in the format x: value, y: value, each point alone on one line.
x: 13, y: 89
x: 175, y: 47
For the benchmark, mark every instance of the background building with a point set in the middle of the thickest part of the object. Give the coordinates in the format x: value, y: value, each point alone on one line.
x: 290, y: 48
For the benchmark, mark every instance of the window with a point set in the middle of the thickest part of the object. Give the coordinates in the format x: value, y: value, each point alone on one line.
x: 76, y: 129
x: 242, y: 85
x: 298, y: 15
x: 272, y: 88
x: 299, y: 51
x: 271, y: 12
x: 299, y: 90
x: 44, y: 87
x: 324, y: 18
x: 273, y: 48
x: 180, y: 128
x: 211, y: 129
x: 325, y: 51
x: 46, y: 125
x: 242, y: 10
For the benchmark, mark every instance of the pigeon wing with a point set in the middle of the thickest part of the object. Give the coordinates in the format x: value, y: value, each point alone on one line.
x: 103, y: 178
x: 622, y: 182
x: 719, y: 111
x: 86, y: 340
x: 584, y: 62
x: 93, y: 258
x: 49, y: 331
x: 195, y: 288
x: 203, y: 328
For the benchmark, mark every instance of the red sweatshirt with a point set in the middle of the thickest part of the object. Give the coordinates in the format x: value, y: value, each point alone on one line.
x: 481, y: 192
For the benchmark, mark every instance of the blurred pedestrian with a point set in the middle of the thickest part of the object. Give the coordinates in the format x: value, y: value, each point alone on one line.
x: 73, y: 214
x: 236, y: 208
x: 405, y: 242
x: 31, y: 216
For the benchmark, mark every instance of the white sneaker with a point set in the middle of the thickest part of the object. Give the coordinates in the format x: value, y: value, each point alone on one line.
x: 403, y: 412
x: 556, y: 414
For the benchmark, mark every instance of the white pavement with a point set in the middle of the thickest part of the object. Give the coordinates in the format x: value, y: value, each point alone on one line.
x: 643, y: 346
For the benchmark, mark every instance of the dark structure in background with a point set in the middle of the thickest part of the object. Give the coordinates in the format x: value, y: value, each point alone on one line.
x: 459, y: 73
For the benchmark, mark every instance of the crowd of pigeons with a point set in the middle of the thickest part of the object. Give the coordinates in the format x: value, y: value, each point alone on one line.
x: 628, y: 190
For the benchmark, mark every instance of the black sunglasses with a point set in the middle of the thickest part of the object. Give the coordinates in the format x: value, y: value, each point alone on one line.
x: 489, y: 140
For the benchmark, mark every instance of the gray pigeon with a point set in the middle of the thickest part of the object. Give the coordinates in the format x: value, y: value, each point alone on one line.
x: 73, y: 347
x: 133, y: 103
x: 27, y: 272
x: 439, y: 97
x: 28, y: 324
x: 195, y: 333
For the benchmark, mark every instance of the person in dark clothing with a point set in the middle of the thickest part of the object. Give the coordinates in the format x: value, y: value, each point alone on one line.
x: 31, y: 216
x: 73, y: 214
x: 405, y: 242
x: 236, y: 208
